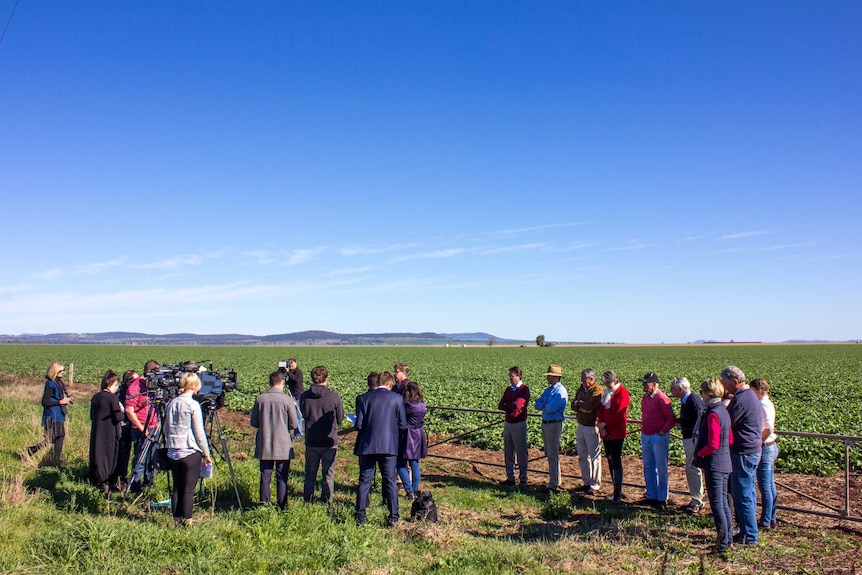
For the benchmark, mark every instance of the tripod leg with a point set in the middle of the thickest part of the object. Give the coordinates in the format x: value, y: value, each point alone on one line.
x: 226, y: 455
x: 139, y: 465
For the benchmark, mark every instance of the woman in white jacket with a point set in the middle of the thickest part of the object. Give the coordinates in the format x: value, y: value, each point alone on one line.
x: 187, y: 446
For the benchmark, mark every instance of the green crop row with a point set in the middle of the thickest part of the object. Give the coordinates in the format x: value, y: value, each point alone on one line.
x: 815, y: 388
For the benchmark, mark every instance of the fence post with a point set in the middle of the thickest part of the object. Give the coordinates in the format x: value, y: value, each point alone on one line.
x: 71, y: 373
x: 847, y: 443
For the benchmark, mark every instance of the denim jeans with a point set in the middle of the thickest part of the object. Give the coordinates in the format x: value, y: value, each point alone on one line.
x: 654, y: 450
x: 716, y: 491
x: 406, y: 468
x: 744, y: 489
x: 766, y: 484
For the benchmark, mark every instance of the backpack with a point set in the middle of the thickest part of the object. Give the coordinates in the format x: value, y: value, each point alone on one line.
x: 424, y: 508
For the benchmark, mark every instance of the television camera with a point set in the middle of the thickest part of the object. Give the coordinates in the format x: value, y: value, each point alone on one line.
x: 163, y: 382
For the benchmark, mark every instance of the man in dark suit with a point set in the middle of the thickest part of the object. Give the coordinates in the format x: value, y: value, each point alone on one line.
x: 379, y: 419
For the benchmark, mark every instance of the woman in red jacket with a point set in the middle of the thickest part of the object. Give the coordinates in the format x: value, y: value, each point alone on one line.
x: 613, y: 425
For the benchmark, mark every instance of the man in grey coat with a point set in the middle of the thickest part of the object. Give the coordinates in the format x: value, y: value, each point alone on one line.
x: 274, y: 416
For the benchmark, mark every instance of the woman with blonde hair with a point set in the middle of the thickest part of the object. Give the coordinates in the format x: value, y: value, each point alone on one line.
x: 187, y: 445
x: 55, y: 406
x: 712, y: 439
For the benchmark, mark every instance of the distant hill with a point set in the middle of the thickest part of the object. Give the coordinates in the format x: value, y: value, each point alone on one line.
x: 312, y: 337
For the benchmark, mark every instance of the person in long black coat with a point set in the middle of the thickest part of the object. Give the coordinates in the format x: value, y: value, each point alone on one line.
x: 105, y: 416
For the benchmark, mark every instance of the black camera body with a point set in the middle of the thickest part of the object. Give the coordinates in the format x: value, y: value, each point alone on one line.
x: 163, y: 382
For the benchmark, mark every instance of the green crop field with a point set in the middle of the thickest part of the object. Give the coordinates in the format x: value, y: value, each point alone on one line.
x: 816, y: 388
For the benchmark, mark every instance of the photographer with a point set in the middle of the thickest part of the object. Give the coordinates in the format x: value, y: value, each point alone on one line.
x: 295, y: 379
x: 55, y: 401
x: 143, y: 417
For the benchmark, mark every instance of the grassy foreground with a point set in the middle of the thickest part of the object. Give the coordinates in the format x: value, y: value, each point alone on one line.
x: 52, y: 521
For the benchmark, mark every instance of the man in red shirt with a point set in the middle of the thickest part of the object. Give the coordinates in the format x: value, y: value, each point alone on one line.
x: 514, y: 403
x: 657, y: 419
x: 143, y: 417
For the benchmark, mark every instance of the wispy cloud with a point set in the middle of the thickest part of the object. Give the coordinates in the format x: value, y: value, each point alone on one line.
x: 511, y: 231
x: 571, y: 247
x: 508, y: 249
x: 131, y: 300
x: 99, y: 267
x: 263, y: 257
x: 438, y: 254
x: 174, y: 262
x: 363, y: 251
x: 49, y: 274
x: 632, y: 245
x: 789, y: 246
x: 350, y: 271
x: 741, y: 235
x: 301, y: 256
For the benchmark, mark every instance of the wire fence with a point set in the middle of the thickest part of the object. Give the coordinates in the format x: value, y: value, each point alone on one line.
x: 849, y: 441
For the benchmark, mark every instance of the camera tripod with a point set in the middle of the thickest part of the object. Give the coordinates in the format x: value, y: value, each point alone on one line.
x: 155, y: 439
x: 143, y: 465
x: 212, y: 423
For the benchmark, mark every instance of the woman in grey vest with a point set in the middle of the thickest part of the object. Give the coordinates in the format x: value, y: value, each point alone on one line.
x: 712, y: 455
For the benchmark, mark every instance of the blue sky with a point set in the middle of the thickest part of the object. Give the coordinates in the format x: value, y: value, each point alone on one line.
x: 591, y: 171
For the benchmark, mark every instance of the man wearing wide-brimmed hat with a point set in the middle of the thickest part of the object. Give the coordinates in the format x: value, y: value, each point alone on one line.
x: 586, y: 406
x: 657, y: 419
x: 552, y: 404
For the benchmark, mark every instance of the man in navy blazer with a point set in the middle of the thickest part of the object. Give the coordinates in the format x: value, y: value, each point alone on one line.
x: 379, y: 419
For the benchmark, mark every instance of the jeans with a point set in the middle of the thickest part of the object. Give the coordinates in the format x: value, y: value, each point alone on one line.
x: 716, y: 490
x: 406, y: 468
x: 766, y: 484
x: 323, y: 458
x: 654, y: 450
x: 743, y: 488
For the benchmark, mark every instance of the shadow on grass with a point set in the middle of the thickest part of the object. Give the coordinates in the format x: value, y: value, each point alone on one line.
x: 67, y: 487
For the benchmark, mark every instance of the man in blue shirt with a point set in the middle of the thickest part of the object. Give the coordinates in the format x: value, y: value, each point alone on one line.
x: 552, y: 403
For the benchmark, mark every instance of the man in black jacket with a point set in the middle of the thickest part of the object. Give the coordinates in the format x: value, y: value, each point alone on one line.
x: 690, y: 405
x: 322, y: 411
x: 294, y: 379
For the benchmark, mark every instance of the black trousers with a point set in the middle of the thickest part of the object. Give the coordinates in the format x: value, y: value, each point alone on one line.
x: 185, y: 472
x: 614, y: 453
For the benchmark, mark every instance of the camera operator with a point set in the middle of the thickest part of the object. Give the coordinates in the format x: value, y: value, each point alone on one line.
x: 140, y: 413
x: 295, y: 379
